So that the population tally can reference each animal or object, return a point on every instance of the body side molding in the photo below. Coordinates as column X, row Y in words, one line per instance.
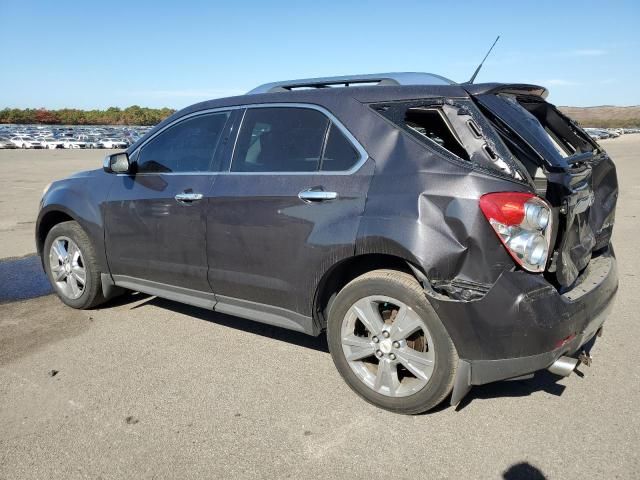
column 279, row 317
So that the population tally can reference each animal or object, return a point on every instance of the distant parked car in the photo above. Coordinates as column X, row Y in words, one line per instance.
column 74, row 143
column 6, row 143
column 52, row 143
column 598, row 133
column 93, row 143
column 26, row 142
column 594, row 134
column 113, row 143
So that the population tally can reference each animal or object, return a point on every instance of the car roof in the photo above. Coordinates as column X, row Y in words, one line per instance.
column 364, row 88
column 321, row 95
column 379, row 79
column 364, row 94
column 385, row 88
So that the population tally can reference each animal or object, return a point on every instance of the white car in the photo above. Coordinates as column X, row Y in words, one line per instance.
column 93, row 143
column 26, row 142
column 113, row 143
column 52, row 143
column 6, row 143
column 74, row 143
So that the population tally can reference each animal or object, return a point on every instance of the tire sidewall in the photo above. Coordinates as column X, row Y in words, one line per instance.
column 439, row 384
column 74, row 232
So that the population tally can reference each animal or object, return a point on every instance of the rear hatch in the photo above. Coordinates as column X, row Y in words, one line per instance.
column 569, row 170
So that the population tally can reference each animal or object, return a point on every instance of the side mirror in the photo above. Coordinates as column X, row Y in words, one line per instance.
column 117, row 163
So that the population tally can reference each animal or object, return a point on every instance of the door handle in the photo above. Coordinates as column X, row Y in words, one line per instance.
column 188, row 198
column 312, row 195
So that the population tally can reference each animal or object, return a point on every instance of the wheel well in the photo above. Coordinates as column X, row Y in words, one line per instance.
column 50, row 220
column 339, row 275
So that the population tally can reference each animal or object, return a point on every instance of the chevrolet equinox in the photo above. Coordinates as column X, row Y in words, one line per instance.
column 443, row 235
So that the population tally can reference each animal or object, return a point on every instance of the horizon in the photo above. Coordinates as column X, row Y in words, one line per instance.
column 162, row 55
column 124, row 107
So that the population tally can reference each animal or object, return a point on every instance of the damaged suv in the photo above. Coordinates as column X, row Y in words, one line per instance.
column 443, row 235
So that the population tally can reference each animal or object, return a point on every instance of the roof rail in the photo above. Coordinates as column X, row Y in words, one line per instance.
column 381, row 79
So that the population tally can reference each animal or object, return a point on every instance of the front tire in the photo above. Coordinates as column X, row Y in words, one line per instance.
column 71, row 265
column 389, row 345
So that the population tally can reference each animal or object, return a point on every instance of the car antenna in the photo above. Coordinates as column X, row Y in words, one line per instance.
column 475, row 74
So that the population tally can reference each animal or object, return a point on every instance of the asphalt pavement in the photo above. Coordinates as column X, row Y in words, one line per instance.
column 148, row 388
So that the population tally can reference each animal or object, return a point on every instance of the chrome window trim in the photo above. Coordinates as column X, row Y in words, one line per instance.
column 356, row 166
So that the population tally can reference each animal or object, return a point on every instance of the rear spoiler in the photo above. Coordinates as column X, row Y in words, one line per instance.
column 509, row 88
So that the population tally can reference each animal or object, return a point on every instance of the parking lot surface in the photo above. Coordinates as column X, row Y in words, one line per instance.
column 148, row 388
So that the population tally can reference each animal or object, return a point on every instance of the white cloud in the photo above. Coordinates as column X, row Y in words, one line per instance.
column 588, row 52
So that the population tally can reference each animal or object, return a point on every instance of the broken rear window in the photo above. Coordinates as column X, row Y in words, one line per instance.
column 565, row 137
column 455, row 129
column 535, row 131
column 431, row 123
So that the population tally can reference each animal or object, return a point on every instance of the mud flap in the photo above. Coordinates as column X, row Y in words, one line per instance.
column 462, row 382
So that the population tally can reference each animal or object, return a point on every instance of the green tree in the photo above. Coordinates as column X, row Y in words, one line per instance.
column 133, row 115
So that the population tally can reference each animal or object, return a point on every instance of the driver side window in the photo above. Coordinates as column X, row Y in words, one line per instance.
column 187, row 146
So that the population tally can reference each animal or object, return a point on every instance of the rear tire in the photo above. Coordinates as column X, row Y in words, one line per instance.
column 405, row 361
column 71, row 265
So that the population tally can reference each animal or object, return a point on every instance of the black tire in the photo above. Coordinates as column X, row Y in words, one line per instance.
column 92, row 294
column 405, row 288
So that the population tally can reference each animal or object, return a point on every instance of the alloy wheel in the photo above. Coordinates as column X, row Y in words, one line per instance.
column 67, row 267
column 388, row 346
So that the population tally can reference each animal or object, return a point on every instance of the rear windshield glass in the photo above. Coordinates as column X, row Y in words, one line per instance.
column 561, row 132
column 535, row 131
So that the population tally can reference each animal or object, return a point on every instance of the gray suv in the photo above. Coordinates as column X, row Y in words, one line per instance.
column 443, row 235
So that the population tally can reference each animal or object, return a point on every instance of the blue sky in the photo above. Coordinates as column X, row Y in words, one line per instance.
column 117, row 53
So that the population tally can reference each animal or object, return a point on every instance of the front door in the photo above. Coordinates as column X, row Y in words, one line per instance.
column 155, row 218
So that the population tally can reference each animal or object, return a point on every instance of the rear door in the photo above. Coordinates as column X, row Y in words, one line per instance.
column 155, row 218
column 287, row 208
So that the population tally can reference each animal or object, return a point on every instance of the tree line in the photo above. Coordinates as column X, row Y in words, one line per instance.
column 133, row 115
column 136, row 115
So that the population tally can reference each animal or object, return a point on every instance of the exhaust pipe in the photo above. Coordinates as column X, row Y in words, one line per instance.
column 563, row 366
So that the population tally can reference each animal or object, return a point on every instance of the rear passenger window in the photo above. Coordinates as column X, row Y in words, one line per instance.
column 277, row 139
column 339, row 154
column 187, row 146
column 428, row 123
column 433, row 124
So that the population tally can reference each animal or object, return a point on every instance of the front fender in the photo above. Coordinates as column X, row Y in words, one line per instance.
column 80, row 198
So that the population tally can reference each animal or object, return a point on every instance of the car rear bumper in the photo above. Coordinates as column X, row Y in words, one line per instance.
column 524, row 324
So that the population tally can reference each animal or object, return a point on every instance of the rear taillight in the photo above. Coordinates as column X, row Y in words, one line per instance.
column 522, row 222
